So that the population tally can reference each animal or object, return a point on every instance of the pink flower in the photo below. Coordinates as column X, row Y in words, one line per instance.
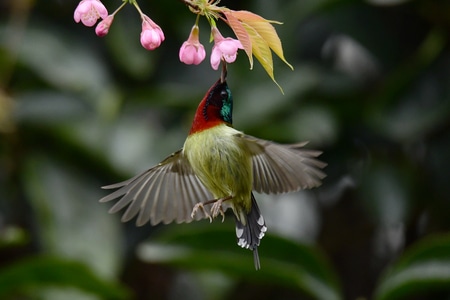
column 103, row 27
column 192, row 52
column 224, row 48
column 151, row 36
column 89, row 11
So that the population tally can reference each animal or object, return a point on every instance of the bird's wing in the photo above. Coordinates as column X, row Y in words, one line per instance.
column 283, row 168
column 165, row 193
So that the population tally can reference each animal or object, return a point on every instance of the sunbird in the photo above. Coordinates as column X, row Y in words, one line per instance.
column 218, row 167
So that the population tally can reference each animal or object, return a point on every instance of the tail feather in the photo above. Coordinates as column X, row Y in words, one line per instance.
column 256, row 258
column 251, row 230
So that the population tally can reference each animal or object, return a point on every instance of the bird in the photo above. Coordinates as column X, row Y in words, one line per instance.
column 218, row 167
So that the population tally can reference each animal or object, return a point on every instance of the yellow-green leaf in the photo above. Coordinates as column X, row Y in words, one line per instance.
column 241, row 34
column 249, row 16
column 265, row 29
column 261, row 51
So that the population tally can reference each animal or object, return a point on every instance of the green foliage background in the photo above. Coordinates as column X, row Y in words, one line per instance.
column 371, row 88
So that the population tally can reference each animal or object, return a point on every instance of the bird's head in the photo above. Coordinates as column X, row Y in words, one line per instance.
column 214, row 109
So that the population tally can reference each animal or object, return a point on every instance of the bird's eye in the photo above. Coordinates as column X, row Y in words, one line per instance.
column 223, row 94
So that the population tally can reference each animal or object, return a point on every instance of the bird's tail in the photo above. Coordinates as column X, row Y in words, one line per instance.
column 250, row 229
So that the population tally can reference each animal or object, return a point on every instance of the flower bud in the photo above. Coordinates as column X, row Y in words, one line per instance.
column 102, row 28
column 192, row 52
column 152, row 35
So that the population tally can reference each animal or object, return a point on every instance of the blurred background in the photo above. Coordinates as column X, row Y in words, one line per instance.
column 370, row 87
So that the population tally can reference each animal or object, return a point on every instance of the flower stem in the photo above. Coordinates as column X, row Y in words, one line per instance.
column 134, row 2
column 197, row 19
column 120, row 7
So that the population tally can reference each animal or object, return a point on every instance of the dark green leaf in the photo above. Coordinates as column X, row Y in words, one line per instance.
column 213, row 247
column 426, row 266
column 33, row 273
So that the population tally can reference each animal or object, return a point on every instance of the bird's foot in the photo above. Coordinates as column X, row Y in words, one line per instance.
column 217, row 209
column 201, row 206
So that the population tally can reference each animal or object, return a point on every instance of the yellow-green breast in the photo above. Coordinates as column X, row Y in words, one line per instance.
column 223, row 163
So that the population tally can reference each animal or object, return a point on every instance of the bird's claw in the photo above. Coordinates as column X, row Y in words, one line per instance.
column 202, row 207
column 217, row 209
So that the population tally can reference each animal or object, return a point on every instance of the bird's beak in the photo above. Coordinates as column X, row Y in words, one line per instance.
column 223, row 75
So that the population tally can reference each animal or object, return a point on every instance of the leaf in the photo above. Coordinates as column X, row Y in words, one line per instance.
column 424, row 267
column 241, row 34
column 265, row 29
column 212, row 247
column 262, row 52
column 257, row 33
column 25, row 276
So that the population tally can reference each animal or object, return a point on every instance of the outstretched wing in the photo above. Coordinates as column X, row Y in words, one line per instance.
column 165, row 193
column 281, row 168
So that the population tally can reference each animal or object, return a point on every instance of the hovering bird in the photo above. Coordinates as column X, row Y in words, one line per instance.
column 217, row 168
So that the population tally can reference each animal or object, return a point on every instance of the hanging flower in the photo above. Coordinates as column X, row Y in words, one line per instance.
column 223, row 49
column 152, row 35
column 89, row 11
column 192, row 52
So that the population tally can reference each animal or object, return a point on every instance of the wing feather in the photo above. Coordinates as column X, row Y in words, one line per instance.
column 182, row 206
column 145, row 211
column 129, row 193
column 135, row 194
column 186, row 204
column 164, row 193
column 196, row 190
column 281, row 168
column 157, row 212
